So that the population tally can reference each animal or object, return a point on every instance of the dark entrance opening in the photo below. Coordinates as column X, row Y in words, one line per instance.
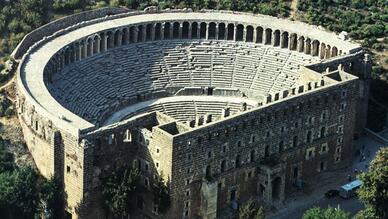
column 210, row 91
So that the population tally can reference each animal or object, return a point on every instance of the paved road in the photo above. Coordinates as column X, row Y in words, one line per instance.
column 350, row 205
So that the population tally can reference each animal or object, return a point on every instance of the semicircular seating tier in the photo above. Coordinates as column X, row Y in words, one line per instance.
column 92, row 86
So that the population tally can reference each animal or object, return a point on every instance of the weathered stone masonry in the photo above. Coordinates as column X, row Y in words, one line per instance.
column 247, row 106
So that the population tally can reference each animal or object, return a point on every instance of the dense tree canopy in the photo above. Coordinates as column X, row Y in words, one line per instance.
column 327, row 213
column 374, row 191
column 119, row 189
column 250, row 211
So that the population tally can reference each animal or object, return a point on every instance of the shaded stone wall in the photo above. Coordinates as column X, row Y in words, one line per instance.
column 252, row 138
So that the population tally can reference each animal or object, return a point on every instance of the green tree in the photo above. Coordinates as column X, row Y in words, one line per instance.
column 328, row 213
column 161, row 195
column 374, row 191
column 51, row 197
column 19, row 193
column 6, row 159
column 250, row 211
column 119, row 189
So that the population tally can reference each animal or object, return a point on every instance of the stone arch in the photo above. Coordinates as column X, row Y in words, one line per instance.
column 89, row 45
column 315, row 48
column 334, row 51
column 132, row 34
column 293, row 41
column 284, row 40
column 259, row 35
column 268, row 36
column 158, row 31
column 249, row 34
column 194, row 30
column 307, row 48
column 102, row 42
column 125, row 36
column 221, row 31
column 301, row 44
column 140, row 33
column 110, row 39
column 240, row 32
column 117, row 38
column 202, row 31
column 230, row 30
column 212, row 30
column 149, row 28
column 276, row 188
column 185, row 30
column 276, row 38
column 322, row 51
column 175, row 28
column 166, row 32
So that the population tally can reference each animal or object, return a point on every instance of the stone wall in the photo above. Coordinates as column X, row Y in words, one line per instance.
column 254, row 137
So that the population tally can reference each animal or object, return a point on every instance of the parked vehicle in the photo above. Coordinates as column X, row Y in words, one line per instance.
column 332, row 193
column 348, row 190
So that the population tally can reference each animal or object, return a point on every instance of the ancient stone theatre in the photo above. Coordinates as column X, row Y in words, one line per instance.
column 226, row 106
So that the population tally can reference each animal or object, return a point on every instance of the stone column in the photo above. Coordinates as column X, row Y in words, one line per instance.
column 245, row 34
column 91, row 47
column 85, row 49
column 198, row 31
column 126, row 37
column 217, row 31
column 180, row 30
column 234, row 32
column 264, row 36
column 207, row 31
column 119, row 41
column 153, row 31
column 300, row 45
column 144, row 33
column 136, row 34
column 162, row 31
column 105, row 43
column 307, row 47
column 98, row 41
column 75, row 53
column 273, row 36
column 80, row 51
column 172, row 31
column 254, row 35
column 190, row 30
column 282, row 40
